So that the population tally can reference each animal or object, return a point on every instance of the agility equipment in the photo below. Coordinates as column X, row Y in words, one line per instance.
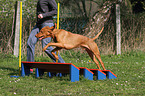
column 65, row 68
column 58, row 8
column 20, row 41
column 52, row 67
column 20, row 38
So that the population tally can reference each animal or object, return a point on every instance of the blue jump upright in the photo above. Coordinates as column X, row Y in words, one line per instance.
column 109, row 74
column 99, row 74
column 25, row 70
column 74, row 73
column 86, row 72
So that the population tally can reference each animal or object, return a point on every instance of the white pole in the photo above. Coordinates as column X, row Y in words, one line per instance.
column 17, row 30
column 118, row 30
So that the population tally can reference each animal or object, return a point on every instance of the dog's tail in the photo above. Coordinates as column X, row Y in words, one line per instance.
column 98, row 34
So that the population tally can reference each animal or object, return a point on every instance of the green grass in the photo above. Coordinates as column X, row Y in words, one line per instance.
column 129, row 68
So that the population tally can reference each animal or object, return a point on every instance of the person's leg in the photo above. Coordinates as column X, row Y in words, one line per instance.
column 49, row 49
column 32, row 40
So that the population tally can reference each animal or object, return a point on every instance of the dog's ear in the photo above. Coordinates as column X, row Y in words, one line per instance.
column 53, row 27
column 46, row 27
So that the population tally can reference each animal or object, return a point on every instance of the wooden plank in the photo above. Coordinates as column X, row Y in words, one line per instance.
column 82, row 70
column 49, row 66
column 94, row 71
column 42, row 67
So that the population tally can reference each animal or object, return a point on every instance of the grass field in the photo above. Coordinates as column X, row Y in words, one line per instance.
column 129, row 68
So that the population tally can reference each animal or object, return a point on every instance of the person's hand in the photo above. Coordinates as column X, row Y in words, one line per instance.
column 40, row 16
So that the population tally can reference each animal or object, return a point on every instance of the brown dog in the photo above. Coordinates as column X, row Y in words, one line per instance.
column 67, row 40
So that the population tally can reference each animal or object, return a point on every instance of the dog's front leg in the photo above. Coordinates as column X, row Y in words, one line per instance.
column 46, row 47
column 53, row 44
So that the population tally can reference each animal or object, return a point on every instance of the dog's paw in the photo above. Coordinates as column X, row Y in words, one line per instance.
column 56, row 57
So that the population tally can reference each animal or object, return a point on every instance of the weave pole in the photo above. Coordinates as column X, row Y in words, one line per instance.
column 58, row 16
column 58, row 8
column 20, row 38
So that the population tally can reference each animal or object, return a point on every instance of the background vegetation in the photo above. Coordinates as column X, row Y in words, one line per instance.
column 75, row 14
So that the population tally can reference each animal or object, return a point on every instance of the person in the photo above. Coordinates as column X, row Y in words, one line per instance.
column 46, row 9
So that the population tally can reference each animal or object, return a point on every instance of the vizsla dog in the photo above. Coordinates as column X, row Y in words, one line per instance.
column 67, row 40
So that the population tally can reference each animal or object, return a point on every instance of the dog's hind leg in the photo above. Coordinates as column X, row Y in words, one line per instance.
column 54, row 50
column 91, row 54
column 95, row 50
column 99, row 58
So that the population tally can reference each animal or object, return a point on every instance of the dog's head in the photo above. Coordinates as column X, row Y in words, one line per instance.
column 45, row 32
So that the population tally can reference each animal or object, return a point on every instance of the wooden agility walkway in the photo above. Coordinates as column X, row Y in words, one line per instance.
column 65, row 68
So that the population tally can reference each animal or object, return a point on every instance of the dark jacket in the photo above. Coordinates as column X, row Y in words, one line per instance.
column 48, row 8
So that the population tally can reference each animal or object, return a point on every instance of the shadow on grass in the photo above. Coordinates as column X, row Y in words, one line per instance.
column 10, row 71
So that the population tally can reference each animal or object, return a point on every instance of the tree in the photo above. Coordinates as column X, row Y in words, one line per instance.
column 138, row 6
column 85, row 8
